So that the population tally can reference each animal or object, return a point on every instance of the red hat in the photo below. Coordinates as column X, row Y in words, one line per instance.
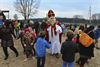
column 27, row 30
column 50, row 13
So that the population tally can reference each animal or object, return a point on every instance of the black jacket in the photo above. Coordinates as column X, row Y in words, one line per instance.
column 68, row 50
column 6, row 34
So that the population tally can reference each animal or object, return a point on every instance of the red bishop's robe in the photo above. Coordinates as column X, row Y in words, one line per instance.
column 54, row 36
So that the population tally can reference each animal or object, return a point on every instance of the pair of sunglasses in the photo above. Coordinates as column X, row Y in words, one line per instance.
column 51, row 13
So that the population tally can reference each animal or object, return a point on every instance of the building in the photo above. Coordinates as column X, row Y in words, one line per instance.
column 96, row 16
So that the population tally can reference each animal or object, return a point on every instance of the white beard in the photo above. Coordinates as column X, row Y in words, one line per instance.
column 52, row 23
column 52, row 20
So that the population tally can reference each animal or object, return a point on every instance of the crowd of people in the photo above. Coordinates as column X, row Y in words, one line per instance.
column 36, row 38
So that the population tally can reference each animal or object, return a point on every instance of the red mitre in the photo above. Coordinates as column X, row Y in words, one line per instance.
column 51, row 13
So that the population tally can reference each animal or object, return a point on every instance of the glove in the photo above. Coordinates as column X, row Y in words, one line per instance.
column 49, row 42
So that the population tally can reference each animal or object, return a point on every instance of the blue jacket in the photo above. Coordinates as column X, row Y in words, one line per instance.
column 1, row 23
column 41, row 45
column 97, row 33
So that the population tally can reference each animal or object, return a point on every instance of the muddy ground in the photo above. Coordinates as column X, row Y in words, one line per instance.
column 51, row 61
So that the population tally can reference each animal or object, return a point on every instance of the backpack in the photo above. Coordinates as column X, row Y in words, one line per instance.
column 85, row 39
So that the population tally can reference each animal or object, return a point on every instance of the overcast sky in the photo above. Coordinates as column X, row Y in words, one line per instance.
column 62, row 8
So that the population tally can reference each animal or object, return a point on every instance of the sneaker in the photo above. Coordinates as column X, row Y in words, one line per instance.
column 33, row 58
column 25, row 59
column 97, row 48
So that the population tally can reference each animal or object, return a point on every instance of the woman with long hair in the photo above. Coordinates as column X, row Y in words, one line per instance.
column 7, row 40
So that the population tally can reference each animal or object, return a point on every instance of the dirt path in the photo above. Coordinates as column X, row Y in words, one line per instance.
column 50, row 60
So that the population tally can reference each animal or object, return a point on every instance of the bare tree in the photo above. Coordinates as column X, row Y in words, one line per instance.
column 26, row 7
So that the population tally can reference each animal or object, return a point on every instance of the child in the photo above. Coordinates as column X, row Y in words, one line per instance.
column 97, row 36
column 29, row 37
column 68, row 50
column 41, row 45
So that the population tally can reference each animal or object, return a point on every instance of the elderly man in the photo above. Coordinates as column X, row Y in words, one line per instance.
column 54, row 31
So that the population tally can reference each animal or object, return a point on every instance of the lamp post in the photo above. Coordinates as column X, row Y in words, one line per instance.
column 90, row 11
column 90, row 14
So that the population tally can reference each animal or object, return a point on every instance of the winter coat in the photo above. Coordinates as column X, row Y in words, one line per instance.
column 41, row 45
column 68, row 50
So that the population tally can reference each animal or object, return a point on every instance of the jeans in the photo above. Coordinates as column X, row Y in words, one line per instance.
column 40, row 61
column 67, row 63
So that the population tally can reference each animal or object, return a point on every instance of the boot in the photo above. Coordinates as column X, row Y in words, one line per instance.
column 17, row 54
column 6, row 58
column 57, row 55
column 78, row 62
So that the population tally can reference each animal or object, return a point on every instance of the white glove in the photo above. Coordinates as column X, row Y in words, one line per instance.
column 58, row 29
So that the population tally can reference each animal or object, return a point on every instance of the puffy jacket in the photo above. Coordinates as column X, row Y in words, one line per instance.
column 68, row 50
column 97, row 33
column 41, row 45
